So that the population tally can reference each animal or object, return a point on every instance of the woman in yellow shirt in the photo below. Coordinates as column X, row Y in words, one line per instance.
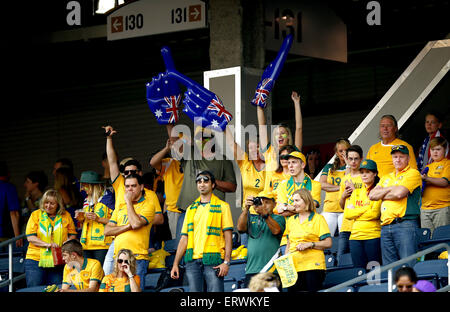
column 123, row 278
column 274, row 178
column 366, row 229
column 307, row 237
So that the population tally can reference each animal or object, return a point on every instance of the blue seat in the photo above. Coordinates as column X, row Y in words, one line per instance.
column 334, row 246
column 335, row 277
column 176, row 289
column 151, row 280
column 18, row 265
column 423, row 234
column 230, row 285
column 381, row 287
column 236, row 239
column 330, row 261
column 440, row 235
column 236, row 272
column 171, row 245
column 244, row 239
column 345, row 260
column 435, row 270
column 344, row 289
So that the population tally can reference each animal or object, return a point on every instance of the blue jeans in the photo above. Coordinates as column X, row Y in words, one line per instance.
column 398, row 241
column 108, row 264
column 365, row 251
column 141, row 271
column 343, row 244
column 197, row 274
column 36, row 276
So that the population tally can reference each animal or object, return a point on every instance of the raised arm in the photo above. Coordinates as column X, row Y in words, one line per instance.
column 263, row 136
column 156, row 161
column 111, row 153
column 298, row 121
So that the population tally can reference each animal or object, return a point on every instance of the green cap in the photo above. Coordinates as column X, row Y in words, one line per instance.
column 90, row 177
column 368, row 164
column 400, row 148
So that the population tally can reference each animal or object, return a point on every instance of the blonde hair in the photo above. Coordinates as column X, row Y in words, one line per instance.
column 132, row 261
column 263, row 280
column 307, row 198
column 337, row 161
column 57, row 196
column 94, row 191
column 288, row 130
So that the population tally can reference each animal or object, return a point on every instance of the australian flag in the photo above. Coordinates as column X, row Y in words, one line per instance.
column 262, row 92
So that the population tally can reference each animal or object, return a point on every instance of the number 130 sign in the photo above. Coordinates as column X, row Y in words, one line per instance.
column 150, row 17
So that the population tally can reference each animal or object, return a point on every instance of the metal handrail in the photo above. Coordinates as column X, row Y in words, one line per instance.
column 10, row 281
column 389, row 268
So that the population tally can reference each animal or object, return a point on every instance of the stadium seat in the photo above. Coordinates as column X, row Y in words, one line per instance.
column 382, row 287
column 236, row 272
column 151, row 280
column 345, row 260
column 436, row 270
column 236, row 239
column 440, row 235
column 334, row 246
column 244, row 239
column 176, row 289
column 423, row 234
column 171, row 246
column 330, row 261
column 230, row 285
column 18, row 265
column 335, row 277
column 345, row 289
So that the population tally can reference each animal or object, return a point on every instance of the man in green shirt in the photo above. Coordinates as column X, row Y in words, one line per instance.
column 265, row 231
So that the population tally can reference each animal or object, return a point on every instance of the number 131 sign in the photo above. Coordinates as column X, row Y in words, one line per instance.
column 150, row 17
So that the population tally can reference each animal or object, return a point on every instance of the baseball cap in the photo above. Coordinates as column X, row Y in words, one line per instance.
column 295, row 154
column 400, row 148
column 424, row 286
column 267, row 194
column 368, row 164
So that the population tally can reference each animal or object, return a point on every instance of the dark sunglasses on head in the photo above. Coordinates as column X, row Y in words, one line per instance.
column 128, row 172
column 202, row 178
column 396, row 147
column 121, row 260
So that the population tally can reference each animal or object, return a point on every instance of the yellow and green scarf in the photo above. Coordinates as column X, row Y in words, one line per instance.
column 49, row 233
column 96, row 229
column 212, row 248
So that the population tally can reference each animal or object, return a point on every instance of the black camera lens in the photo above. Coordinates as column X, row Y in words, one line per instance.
column 257, row 201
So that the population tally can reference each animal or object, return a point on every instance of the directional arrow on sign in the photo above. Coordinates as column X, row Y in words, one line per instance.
column 195, row 13
column 117, row 24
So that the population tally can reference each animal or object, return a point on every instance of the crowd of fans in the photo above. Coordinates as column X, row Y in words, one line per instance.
column 96, row 232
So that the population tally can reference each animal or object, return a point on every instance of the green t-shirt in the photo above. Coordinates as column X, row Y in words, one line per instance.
column 262, row 244
column 222, row 169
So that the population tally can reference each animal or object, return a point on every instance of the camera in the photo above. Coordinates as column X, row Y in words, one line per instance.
column 257, row 201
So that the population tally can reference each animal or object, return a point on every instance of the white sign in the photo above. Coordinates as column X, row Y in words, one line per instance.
column 150, row 17
column 317, row 30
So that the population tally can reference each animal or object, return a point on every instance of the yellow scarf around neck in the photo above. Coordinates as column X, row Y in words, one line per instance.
column 49, row 234
column 212, row 251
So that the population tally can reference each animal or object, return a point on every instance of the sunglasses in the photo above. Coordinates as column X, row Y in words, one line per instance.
column 120, row 261
column 202, row 178
column 128, row 172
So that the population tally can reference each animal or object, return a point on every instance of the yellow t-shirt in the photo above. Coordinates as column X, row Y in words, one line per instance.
column 358, row 183
column 201, row 224
column 34, row 252
column 435, row 197
column 110, row 283
column 119, row 192
column 271, row 159
column 252, row 180
column 365, row 214
column 331, row 202
column 135, row 240
column 313, row 229
column 173, row 180
column 287, row 187
column 273, row 179
column 90, row 271
column 408, row 207
column 381, row 154
column 95, row 238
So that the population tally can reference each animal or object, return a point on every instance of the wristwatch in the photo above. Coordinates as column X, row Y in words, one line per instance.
column 226, row 262
column 313, row 245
